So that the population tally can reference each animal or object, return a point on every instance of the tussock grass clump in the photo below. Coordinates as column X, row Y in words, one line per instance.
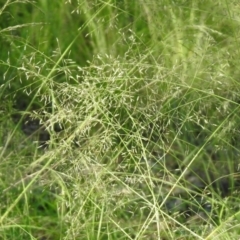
column 134, row 116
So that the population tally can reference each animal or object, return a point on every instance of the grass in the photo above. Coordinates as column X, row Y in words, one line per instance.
column 141, row 104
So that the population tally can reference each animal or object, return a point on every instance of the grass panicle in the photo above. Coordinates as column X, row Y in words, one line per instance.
column 119, row 120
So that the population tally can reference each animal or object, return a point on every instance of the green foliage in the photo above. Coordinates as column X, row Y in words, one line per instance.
column 141, row 103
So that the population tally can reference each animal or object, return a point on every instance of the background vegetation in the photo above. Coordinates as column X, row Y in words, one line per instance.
column 119, row 119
